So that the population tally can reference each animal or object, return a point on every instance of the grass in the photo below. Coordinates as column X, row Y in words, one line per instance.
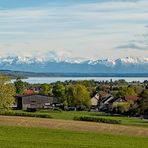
column 16, row 137
column 69, row 115
column 24, row 114
column 65, row 115
column 132, row 121
column 124, row 120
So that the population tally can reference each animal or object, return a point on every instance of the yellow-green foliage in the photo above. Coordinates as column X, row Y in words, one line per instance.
column 78, row 95
column 122, row 106
column 7, row 91
column 126, row 91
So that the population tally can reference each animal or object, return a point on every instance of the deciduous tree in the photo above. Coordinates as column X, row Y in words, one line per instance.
column 7, row 92
column 126, row 91
column 45, row 89
column 59, row 92
column 20, row 86
column 144, row 102
column 78, row 95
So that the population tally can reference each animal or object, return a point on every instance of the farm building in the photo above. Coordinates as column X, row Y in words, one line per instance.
column 106, row 102
column 95, row 99
column 34, row 101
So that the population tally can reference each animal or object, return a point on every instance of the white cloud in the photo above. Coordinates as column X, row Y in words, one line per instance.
column 87, row 30
column 58, row 54
column 133, row 46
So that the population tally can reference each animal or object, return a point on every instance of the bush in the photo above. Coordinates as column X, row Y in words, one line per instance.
column 97, row 119
column 24, row 114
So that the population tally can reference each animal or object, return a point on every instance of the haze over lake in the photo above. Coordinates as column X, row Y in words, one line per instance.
column 35, row 80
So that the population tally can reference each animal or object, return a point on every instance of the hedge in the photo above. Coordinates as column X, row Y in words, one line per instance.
column 97, row 119
column 24, row 114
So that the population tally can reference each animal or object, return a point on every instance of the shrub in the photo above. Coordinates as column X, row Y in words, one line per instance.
column 97, row 119
column 24, row 114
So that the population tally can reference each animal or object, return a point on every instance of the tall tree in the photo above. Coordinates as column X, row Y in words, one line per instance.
column 20, row 86
column 144, row 102
column 59, row 92
column 81, row 95
column 45, row 89
column 70, row 91
column 78, row 95
column 7, row 91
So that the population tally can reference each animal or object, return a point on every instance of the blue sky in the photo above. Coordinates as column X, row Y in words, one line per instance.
column 88, row 29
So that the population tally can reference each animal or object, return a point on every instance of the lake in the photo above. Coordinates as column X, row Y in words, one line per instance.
column 35, row 80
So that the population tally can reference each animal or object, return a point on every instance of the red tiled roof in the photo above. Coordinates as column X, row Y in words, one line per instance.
column 29, row 92
column 131, row 98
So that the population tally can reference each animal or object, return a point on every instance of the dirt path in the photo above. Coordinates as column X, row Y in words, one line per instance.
column 72, row 125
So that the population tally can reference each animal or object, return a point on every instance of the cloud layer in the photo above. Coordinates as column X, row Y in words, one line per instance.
column 90, row 29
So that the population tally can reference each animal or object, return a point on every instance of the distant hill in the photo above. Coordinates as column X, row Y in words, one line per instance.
column 24, row 75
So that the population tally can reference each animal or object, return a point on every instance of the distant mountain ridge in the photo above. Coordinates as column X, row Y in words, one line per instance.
column 39, row 65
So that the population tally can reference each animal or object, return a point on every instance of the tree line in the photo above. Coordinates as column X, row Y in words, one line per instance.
column 79, row 93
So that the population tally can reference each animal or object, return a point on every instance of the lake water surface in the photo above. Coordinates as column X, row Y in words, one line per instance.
column 35, row 80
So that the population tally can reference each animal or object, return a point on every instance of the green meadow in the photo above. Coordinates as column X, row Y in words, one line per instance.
column 39, row 137
column 69, row 115
column 16, row 137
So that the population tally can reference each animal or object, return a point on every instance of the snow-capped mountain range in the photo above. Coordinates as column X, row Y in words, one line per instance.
column 121, row 65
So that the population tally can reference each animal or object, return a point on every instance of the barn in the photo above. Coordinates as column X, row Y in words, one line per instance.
column 34, row 101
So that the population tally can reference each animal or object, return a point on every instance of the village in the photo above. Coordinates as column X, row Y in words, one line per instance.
column 119, row 97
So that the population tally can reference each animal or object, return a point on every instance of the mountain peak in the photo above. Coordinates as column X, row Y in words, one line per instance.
column 34, row 64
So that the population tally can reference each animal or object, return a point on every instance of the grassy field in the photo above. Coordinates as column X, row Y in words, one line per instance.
column 16, row 137
column 71, row 114
column 73, row 125
column 30, row 132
